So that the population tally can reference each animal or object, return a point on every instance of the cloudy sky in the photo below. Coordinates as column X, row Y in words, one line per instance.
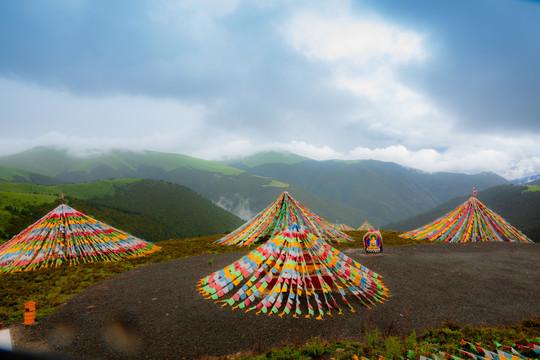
column 435, row 85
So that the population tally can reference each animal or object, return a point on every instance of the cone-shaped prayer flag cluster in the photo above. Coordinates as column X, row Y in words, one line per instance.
column 278, row 216
column 366, row 226
column 471, row 221
column 294, row 272
column 342, row 227
column 67, row 235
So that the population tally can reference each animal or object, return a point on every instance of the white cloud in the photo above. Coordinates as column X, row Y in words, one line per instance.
column 474, row 155
column 29, row 112
column 362, row 41
column 365, row 55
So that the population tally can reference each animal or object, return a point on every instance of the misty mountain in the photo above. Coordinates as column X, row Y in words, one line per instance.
column 526, row 180
column 269, row 157
column 346, row 191
column 236, row 191
column 517, row 204
column 381, row 190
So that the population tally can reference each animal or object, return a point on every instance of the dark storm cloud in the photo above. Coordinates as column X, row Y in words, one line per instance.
column 484, row 61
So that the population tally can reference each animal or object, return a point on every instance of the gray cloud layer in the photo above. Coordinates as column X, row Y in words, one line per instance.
column 422, row 83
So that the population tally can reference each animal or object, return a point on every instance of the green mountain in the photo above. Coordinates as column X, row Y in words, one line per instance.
column 149, row 209
column 235, row 190
column 115, row 164
column 348, row 191
column 13, row 174
column 382, row 191
column 270, row 157
column 517, row 204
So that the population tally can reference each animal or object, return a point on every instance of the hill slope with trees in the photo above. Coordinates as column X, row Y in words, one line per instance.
column 12, row 174
column 376, row 191
column 149, row 209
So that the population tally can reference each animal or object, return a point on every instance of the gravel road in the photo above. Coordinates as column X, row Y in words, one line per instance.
column 156, row 312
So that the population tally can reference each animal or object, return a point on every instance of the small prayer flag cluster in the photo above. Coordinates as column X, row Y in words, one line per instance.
column 366, row 226
column 278, row 216
column 342, row 227
column 469, row 222
column 68, row 235
column 290, row 268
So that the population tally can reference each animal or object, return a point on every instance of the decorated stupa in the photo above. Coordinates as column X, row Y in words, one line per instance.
column 66, row 235
column 279, row 216
column 294, row 272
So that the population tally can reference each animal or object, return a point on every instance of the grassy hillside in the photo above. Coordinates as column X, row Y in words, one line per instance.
column 533, row 188
column 148, row 209
column 42, row 160
column 18, row 205
column 79, row 191
column 269, row 157
column 12, row 174
column 517, row 204
column 122, row 164
column 181, row 212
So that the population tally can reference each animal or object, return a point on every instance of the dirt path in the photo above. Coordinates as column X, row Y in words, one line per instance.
column 155, row 312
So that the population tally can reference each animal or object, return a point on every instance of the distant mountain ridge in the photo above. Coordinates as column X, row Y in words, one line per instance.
column 236, row 191
column 526, row 179
column 60, row 164
column 339, row 191
column 270, row 157
column 381, row 190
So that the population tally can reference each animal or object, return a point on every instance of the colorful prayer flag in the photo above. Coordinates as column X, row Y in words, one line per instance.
column 68, row 235
column 277, row 217
column 290, row 268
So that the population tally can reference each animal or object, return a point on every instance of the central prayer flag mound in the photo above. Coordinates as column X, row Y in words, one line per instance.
column 290, row 268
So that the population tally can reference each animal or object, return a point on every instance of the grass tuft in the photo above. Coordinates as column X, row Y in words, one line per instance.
column 376, row 345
